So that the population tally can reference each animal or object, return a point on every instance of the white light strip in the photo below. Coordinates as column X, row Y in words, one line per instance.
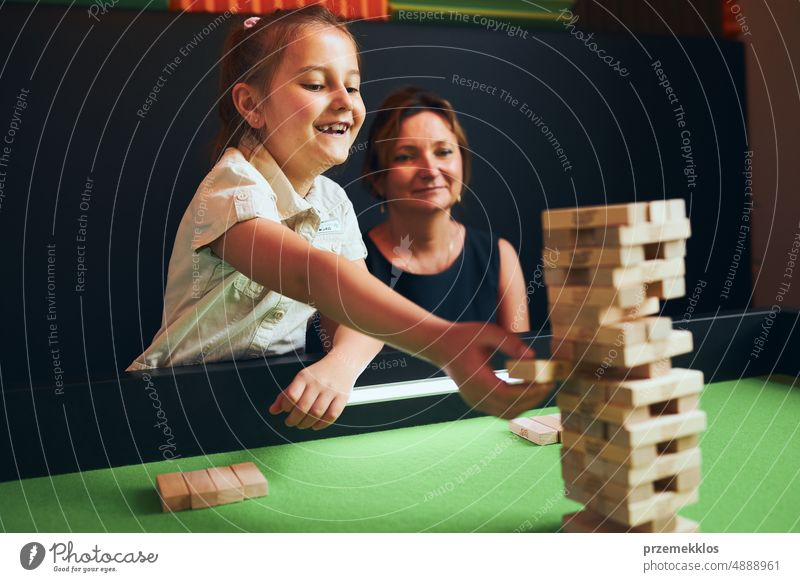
column 412, row 389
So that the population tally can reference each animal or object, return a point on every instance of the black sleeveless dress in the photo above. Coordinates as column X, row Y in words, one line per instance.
column 467, row 291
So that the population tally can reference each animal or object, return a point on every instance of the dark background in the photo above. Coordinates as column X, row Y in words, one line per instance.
column 88, row 79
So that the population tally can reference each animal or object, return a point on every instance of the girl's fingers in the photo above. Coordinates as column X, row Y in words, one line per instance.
column 277, row 406
column 316, row 411
column 334, row 411
column 301, row 408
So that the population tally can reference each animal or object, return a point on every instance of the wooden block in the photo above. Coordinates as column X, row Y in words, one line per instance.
column 593, row 448
column 659, row 506
column 594, row 216
column 253, row 481
column 658, row 429
column 539, row 371
column 587, row 521
column 683, row 482
column 665, row 250
column 628, row 356
column 637, row 331
column 173, row 492
column 201, row 488
column 578, row 483
column 229, row 488
column 625, row 298
column 667, row 210
column 617, row 277
column 551, row 420
column 536, row 432
column 595, row 315
column 678, row 383
column 646, row 371
column 678, row 445
column 668, row 288
column 601, row 256
column 583, row 424
column 663, row 466
column 604, row 411
column 640, row 234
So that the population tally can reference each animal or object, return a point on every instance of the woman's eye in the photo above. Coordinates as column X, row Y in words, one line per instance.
column 352, row 90
column 445, row 152
column 313, row 87
column 402, row 158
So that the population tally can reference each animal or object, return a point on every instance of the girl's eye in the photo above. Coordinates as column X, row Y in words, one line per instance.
column 313, row 87
column 352, row 90
column 445, row 152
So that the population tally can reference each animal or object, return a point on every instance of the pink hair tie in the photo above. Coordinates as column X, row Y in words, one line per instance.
column 251, row 22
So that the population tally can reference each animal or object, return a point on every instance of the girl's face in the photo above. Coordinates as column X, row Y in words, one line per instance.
column 425, row 167
column 313, row 110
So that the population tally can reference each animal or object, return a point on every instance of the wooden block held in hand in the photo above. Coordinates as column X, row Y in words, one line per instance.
column 173, row 491
column 202, row 489
column 254, row 482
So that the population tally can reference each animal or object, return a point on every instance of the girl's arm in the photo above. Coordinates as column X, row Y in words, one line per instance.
column 355, row 298
column 512, row 301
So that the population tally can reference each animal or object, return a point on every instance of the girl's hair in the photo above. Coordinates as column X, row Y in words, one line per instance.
column 253, row 54
column 385, row 129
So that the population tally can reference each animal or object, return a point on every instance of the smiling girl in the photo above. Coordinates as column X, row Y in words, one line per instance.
column 267, row 240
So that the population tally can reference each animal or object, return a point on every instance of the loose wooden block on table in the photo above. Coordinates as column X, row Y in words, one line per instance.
column 594, row 216
column 551, row 420
column 253, row 481
column 202, row 489
column 173, row 491
column 229, row 488
column 628, row 356
column 617, row 277
column 641, row 234
column 637, row 331
column 536, row 432
column 538, row 371
column 590, row 522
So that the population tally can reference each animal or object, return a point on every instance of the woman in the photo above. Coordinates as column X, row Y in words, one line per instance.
column 418, row 164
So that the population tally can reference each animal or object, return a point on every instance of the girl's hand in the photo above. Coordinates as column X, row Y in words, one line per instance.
column 317, row 395
column 465, row 350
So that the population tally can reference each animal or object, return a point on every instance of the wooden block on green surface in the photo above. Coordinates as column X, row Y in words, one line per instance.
column 588, row 315
column 637, row 331
column 601, row 256
column 628, row 356
column 588, row 521
column 173, row 492
column 229, row 488
column 658, row 429
column 252, row 480
column 536, row 432
column 550, row 420
column 617, row 277
column 667, row 288
column 594, row 216
column 672, row 249
column 201, row 488
column 539, row 371
column 625, row 298
column 641, row 234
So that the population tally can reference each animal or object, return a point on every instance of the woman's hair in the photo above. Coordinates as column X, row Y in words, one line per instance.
column 385, row 129
column 252, row 54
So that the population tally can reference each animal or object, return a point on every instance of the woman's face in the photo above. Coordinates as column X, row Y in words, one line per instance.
column 313, row 110
column 425, row 168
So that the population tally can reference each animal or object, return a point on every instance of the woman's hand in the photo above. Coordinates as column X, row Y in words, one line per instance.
column 465, row 350
column 317, row 395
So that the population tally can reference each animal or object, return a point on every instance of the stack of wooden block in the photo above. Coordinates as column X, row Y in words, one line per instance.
column 630, row 421
column 210, row 487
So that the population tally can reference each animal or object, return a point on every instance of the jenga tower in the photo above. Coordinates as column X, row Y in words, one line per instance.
column 630, row 421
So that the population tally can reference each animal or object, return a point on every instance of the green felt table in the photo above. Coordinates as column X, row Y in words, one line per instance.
column 467, row 475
